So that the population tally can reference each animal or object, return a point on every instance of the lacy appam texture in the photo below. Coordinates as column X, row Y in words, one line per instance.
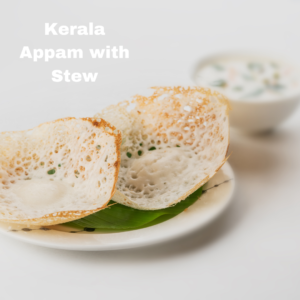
column 71, row 164
column 172, row 143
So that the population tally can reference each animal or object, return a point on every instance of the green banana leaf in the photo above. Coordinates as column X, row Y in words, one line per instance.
column 119, row 217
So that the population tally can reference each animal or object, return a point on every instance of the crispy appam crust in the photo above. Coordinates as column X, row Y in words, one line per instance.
column 56, row 218
column 188, row 91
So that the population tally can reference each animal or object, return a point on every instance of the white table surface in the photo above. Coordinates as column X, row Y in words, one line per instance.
column 253, row 250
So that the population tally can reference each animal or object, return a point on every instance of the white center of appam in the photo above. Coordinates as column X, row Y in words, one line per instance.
column 157, row 167
column 40, row 192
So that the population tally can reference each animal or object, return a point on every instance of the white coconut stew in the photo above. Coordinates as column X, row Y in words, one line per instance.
column 250, row 79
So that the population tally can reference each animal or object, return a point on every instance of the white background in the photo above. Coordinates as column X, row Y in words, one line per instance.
column 253, row 250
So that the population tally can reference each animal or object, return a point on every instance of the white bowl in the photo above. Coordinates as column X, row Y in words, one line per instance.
column 255, row 115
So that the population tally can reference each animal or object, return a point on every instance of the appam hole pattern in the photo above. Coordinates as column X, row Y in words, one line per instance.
column 186, row 130
column 81, row 153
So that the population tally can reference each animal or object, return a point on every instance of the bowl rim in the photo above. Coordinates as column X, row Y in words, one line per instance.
column 244, row 54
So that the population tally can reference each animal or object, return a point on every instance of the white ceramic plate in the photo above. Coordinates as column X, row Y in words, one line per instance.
column 217, row 195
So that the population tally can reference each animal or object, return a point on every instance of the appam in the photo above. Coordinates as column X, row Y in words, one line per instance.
column 59, row 171
column 173, row 142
